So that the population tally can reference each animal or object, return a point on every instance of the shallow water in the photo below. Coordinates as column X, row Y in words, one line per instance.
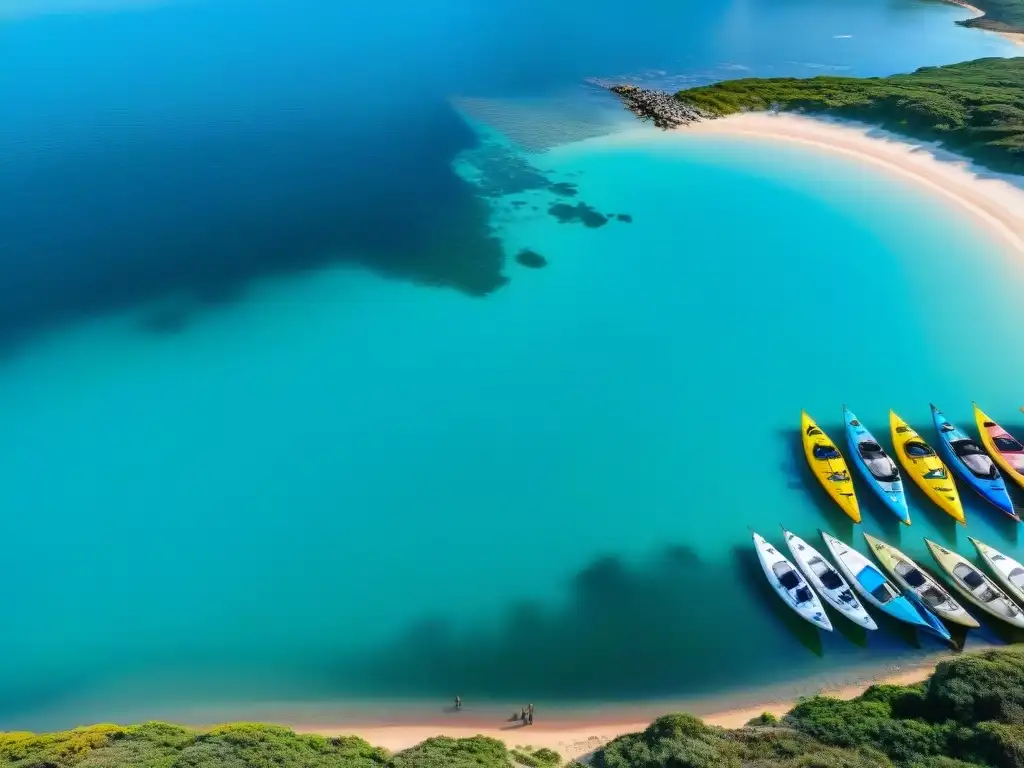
column 284, row 419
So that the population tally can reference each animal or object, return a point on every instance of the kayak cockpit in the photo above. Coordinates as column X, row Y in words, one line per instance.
column 916, row 449
column 786, row 575
column 825, row 452
column 979, row 587
column 975, row 459
column 1016, row 577
column 1007, row 444
column 874, row 583
column 910, row 574
column 879, row 464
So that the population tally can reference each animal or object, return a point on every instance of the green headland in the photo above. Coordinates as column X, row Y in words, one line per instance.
column 1000, row 16
column 970, row 712
column 975, row 108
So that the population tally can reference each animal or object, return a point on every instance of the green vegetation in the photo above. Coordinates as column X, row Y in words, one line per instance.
column 975, row 108
column 969, row 713
column 536, row 758
column 1000, row 15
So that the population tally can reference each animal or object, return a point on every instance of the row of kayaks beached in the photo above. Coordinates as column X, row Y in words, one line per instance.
column 919, row 599
column 974, row 465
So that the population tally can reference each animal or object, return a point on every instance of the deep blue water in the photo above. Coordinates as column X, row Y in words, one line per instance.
column 284, row 420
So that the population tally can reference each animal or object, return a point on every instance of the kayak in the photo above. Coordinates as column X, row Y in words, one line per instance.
column 912, row 578
column 971, row 463
column 829, row 466
column 877, row 590
column 925, row 468
column 1003, row 447
column 976, row 586
column 1008, row 571
column 790, row 585
column 828, row 582
column 878, row 469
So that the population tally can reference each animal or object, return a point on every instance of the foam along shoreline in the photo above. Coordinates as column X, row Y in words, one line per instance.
column 995, row 201
column 577, row 735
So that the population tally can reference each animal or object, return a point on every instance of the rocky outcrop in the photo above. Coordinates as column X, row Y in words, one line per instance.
column 662, row 108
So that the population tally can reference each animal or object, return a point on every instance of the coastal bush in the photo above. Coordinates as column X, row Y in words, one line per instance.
column 680, row 741
column 29, row 750
column 906, row 701
column 536, row 758
column 975, row 108
column 442, row 752
column 871, row 722
column 977, row 687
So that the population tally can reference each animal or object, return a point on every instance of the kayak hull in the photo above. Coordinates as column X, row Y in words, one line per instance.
column 991, row 488
column 832, row 472
column 1008, row 572
column 866, row 578
column 975, row 586
column 790, row 585
column 925, row 468
column 903, row 571
column 890, row 491
column 811, row 563
column 1010, row 458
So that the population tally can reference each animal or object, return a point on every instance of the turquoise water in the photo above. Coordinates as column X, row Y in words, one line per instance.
column 325, row 478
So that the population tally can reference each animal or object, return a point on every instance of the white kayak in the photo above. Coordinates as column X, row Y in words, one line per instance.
column 827, row 581
column 790, row 585
column 976, row 586
column 1009, row 572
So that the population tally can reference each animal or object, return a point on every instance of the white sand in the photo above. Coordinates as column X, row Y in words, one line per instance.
column 994, row 200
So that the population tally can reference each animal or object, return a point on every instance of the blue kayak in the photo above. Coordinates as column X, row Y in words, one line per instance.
column 934, row 622
column 876, row 466
column 876, row 590
column 969, row 460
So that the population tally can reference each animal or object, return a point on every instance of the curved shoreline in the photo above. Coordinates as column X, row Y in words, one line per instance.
column 996, row 201
column 576, row 734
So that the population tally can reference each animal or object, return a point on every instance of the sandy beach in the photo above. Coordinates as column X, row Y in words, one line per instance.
column 576, row 735
column 995, row 201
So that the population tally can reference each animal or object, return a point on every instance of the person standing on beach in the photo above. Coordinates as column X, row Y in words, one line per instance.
column 458, row 703
column 529, row 715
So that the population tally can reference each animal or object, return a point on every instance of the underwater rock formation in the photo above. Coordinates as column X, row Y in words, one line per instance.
column 581, row 212
column 530, row 258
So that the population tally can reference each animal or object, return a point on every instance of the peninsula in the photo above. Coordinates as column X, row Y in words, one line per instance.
column 970, row 712
column 975, row 108
column 1006, row 16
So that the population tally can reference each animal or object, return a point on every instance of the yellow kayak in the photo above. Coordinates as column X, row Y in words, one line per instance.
column 829, row 466
column 926, row 468
column 1004, row 448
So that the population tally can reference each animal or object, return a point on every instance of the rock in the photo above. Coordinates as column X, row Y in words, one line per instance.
column 662, row 108
column 564, row 188
column 531, row 259
column 581, row 212
column 624, row 217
